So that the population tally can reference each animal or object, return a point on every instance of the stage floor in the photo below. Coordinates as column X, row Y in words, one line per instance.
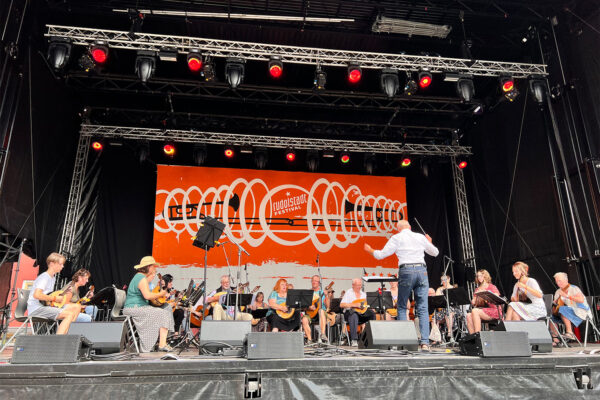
column 324, row 372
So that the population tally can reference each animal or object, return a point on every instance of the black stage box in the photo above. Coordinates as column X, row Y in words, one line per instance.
column 50, row 349
column 496, row 344
column 275, row 345
column 389, row 335
column 106, row 337
column 216, row 335
column 540, row 339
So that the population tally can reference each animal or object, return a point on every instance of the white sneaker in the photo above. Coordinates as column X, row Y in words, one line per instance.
column 354, row 343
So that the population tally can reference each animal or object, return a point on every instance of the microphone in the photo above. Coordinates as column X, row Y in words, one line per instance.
column 318, row 257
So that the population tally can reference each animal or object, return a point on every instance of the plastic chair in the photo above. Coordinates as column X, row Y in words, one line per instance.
column 115, row 315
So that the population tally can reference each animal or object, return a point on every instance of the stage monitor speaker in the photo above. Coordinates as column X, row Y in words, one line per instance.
column 396, row 335
column 50, row 349
column 216, row 335
column 540, row 339
column 496, row 344
column 275, row 345
column 106, row 337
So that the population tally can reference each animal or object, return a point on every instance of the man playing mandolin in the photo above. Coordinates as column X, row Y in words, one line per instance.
column 356, row 310
column 571, row 306
column 218, row 297
column 316, row 312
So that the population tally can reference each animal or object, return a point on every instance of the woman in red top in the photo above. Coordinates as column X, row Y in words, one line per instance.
column 482, row 311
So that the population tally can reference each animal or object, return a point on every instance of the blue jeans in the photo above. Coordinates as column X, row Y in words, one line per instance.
column 414, row 279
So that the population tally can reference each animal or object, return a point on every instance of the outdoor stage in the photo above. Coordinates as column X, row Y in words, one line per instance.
column 325, row 372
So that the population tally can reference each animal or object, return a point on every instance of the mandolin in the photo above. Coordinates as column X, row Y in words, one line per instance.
column 60, row 293
column 522, row 296
column 363, row 308
column 159, row 302
column 86, row 299
column 317, row 304
column 559, row 303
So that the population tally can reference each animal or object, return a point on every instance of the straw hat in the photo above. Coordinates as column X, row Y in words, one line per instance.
column 146, row 261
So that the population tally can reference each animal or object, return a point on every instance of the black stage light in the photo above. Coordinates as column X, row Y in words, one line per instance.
column 275, row 67
column 199, row 154
column 354, row 73
column 320, row 79
column 145, row 64
column 425, row 79
column 290, row 155
column 234, row 72
column 261, row 157
column 539, row 89
column 465, row 89
column 312, row 160
column 143, row 151
column 389, row 82
column 99, row 52
column 411, row 87
column 59, row 51
column 508, row 87
column 370, row 163
column 194, row 61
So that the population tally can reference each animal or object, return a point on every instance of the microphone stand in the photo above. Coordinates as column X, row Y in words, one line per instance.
column 240, row 250
column 449, row 261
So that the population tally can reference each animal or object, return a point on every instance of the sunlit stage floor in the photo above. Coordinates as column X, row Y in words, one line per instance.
column 324, row 372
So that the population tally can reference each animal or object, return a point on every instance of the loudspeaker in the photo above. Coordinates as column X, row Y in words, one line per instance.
column 389, row 335
column 50, row 349
column 496, row 344
column 540, row 339
column 279, row 345
column 216, row 335
column 106, row 337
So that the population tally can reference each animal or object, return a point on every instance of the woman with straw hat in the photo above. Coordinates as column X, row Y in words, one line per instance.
column 152, row 323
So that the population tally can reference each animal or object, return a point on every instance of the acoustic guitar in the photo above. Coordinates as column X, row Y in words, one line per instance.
column 86, row 299
column 559, row 303
column 317, row 304
column 159, row 302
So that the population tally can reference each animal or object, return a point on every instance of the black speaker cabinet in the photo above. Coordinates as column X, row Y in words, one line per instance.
column 389, row 335
column 106, row 337
column 216, row 335
column 540, row 339
column 279, row 345
column 496, row 344
column 50, row 349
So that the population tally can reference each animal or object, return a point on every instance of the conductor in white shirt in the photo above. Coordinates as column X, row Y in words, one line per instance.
column 410, row 248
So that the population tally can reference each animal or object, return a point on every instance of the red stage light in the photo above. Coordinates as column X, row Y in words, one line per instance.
column 169, row 150
column 425, row 79
column 354, row 74
column 229, row 153
column 405, row 162
column 345, row 158
column 99, row 55
column 508, row 85
column 462, row 164
column 275, row 69
column 290, row 155
column 96, row 145
column 194, row 63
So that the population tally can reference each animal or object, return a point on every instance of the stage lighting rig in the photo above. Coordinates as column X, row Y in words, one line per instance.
column 465, row 89
column 199, row 153
column 234, row 72
column 97, row 145
column 312, row 160
column 194, row 61
column 229, row 152
column 508, row 87
column 208, row 70
column 370, row 163
column 406, row 161
column 354, row 73
column 59, row 50
column 143, row 151
column 290, row 155
column 169, row 149
column 425, row 79
column 99, row 52
column 320, row 79
column 275, row 67
column 145, row 65
column 539, row 89
column 462, row 164
column 345, row 157
column 411, row 87
column 261, row 157
column 389, row 82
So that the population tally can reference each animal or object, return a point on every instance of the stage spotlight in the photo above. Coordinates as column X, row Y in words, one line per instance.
column 478, row 109
column 290, row 155
column 199, row 154
column 411, row 87
column 229, row 152
column 389, row 82
column 354, row 73
column 425, row 79
column 275, row 67
column 320, row 79
column 345, row 157
column 194, row 61
column 462, row 164
column 59, row 51
column 208, row 71
column 508, row 87
column 143, row 151
column 145, row 64
column 405, row 162
column 539, row 90
column 99, row 52
column 328, row 153
column 312, row 160
column 234, row 72
column 465, row 89
column 261, row 157
column 370, row 163
column 169, row 150
column 97, row 145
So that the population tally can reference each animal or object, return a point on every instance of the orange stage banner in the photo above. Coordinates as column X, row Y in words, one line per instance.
column 280, row 218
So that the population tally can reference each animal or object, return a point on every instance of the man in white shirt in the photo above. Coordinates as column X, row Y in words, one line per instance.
column 410, row 247
column 355, row 311
column 42, row 287
column 219, row 296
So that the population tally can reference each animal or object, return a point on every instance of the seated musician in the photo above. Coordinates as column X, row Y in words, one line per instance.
column 71, row 292
column 354, row 310
column 392, row 313
column 290, row 321
column 152, row 323
column 317, row 309
column 40, row 291
column 527, row 300
column 258, row 325
column 572, row 307
column 444, row 314
column 218, row 297
column 483, row 311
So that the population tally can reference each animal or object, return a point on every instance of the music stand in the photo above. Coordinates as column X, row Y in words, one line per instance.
column 380, row 302
column 259, row 313
column 299, row 298
column 334, row 306
column 243, row 300
column 494, row 299
column 435, row 302
column 457, row 296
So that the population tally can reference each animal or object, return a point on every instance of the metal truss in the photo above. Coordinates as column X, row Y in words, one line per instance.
column 268, row 94
column 464, row 221
column 190, row 136
column 291, row 54
column 67, row 240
